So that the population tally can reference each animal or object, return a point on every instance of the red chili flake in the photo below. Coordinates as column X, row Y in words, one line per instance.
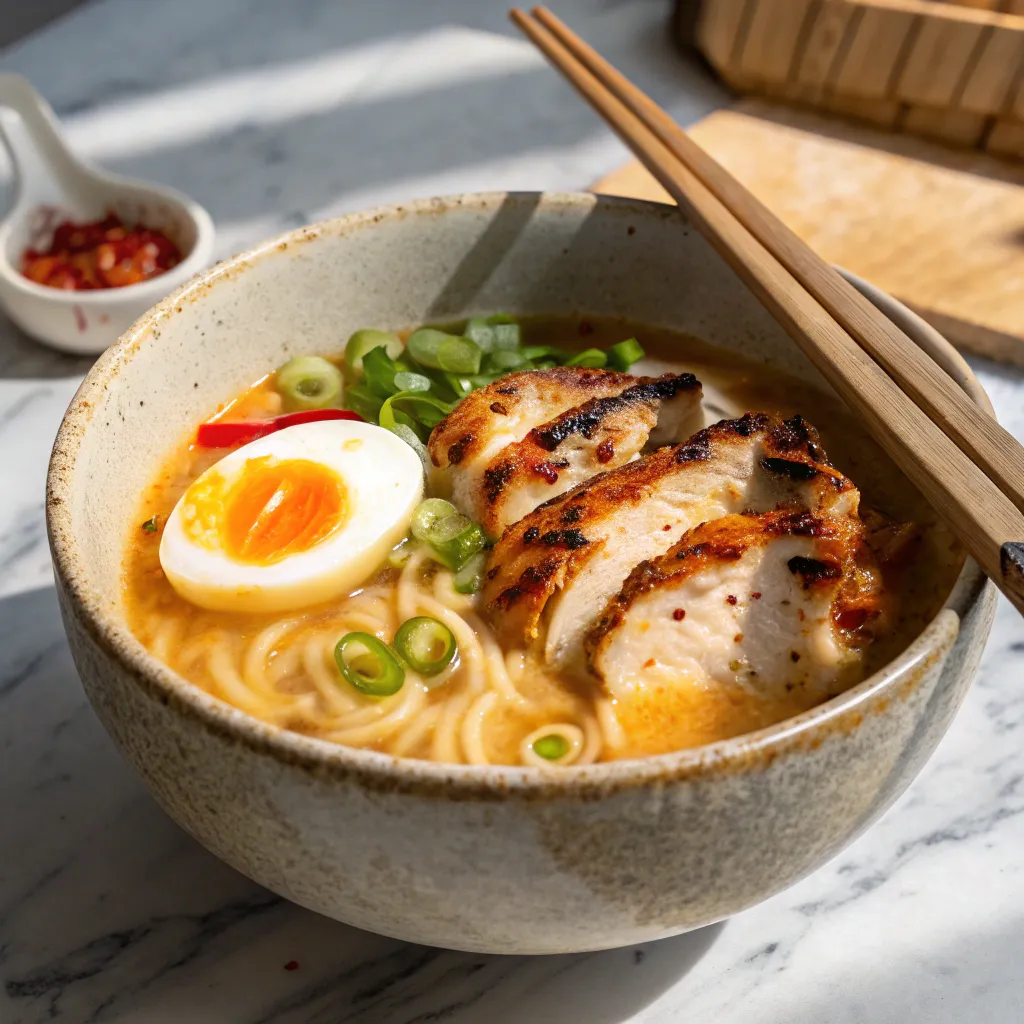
column 679, row 614
column 649, row 663
column 547, row 470
column 586, row 328
column 100, row 254
column 667, row 526
column 756, row 595
column 738, row 638
column 731, row 599
column 292, row 965
column 605, row 451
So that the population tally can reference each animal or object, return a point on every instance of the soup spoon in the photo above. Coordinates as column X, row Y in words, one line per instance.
column 52, row 185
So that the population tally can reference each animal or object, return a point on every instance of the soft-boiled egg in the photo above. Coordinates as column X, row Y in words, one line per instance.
column 292, row 519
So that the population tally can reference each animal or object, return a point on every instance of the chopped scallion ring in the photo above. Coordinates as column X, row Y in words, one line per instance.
column 558, row 744
column 366, row 341
column 368, row 664
column 470, row 577
column 309, row 382
column 428, row 513
column 591, row 359
column 426, row 645
column 623, row 355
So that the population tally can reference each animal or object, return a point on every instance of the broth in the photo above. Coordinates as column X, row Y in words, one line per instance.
column 280, row 668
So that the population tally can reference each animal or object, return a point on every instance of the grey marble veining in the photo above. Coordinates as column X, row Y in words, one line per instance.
column 273, row 114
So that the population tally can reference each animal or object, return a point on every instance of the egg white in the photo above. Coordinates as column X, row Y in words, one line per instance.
column 383, row 478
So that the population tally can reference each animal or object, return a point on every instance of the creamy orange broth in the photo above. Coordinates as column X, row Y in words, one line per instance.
column 453, row 721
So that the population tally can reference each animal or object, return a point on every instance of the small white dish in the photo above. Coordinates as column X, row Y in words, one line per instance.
column 54, row 185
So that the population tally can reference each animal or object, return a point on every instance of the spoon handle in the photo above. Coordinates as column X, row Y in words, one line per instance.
column 37, row 147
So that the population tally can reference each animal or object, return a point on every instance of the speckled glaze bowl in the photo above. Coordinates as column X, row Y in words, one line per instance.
column 497, row 859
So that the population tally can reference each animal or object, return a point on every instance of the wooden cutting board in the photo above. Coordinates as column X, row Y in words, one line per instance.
column 941, row 229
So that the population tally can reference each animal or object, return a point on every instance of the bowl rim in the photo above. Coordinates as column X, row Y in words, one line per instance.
column 384, row 772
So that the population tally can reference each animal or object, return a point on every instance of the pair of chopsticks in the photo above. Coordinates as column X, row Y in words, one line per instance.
column 968, row 467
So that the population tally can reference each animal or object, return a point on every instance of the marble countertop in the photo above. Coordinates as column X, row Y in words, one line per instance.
column 272, row 115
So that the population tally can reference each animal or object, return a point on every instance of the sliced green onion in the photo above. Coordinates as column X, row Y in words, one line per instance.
column 505, row 360
column 368, row 664
column 309, row 382
column 363, row 401
column 533, row 352
column 591, row 359
column 366, row 341
column 423, row 346
column 459, row 355
column 426, row 645
column 405, row 380
column 401, row 554
column 623, row 355
column 380, row 371
column 418, row 406
column 456, row 540
column 460, row 384
column 481, row 333
column 470, row 577
column 428, row 514
column 551, row 747
column 507, row 336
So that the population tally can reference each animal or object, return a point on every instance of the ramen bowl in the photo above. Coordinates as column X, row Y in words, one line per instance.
column 492, row 859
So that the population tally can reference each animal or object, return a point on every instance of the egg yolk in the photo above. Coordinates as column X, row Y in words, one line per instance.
column 273, row 509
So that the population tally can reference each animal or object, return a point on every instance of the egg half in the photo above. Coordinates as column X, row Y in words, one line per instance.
column 292, row 519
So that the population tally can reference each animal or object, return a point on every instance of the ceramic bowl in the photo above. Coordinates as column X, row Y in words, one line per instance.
column 496, row 859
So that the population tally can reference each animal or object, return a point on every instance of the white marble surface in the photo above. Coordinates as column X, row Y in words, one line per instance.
column 273, row 114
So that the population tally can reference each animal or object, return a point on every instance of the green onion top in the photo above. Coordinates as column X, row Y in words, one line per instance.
column 426, row 645
column 551, row 747
column 366, row 341
column 368, row 664
column 623, row 355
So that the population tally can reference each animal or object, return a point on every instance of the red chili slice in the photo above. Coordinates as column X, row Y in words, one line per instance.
column 232, row 433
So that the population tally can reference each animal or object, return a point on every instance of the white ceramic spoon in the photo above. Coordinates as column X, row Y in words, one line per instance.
column 53, row 185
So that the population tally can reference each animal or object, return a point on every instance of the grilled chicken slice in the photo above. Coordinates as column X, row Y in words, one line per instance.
column 600, row 434
column 560, row 564
column 486, row 420
column 772, row 607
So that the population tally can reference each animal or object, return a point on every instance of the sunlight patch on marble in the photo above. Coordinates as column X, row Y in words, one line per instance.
column 384, row 69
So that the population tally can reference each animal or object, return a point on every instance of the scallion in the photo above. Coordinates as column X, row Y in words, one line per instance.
column 552, row 747
column 428, row 514
column 453, row 537
column 366, row 341
column 405, row 380
column 624, row 354
column 591, row 359
column 505, row 360
column 470, row 577
column 368, row 664
column 424, row 344
column 458, row 355
column 426, row 645
column 456, row 540
column 309, row 382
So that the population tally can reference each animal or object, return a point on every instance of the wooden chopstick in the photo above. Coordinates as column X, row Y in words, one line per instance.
column 976, row 433
column 988, row 523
